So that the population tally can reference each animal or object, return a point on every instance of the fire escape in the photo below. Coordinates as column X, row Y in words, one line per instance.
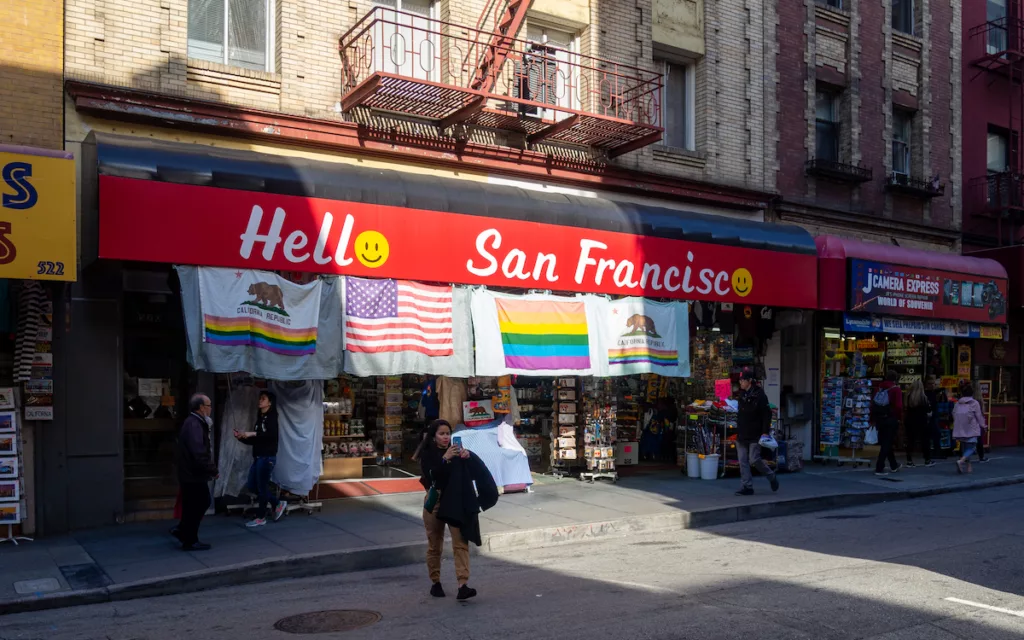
column 998, row 50
column 414, row 66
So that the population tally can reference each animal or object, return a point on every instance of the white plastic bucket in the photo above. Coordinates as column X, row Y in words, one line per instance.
column 692, row 465
column 709, row 467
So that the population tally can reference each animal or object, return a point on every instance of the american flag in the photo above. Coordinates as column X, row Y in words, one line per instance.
column 397, row 315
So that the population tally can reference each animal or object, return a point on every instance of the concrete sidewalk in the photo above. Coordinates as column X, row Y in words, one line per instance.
column 142, row 560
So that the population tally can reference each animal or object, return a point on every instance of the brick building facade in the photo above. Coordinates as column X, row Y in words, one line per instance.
column 869, row 120
column 31, row 80
column 716, row 48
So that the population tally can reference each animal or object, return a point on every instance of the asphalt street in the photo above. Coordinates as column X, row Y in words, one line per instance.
column 929, row 569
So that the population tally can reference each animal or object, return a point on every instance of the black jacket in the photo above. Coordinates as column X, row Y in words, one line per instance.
column 264, row 443
column 755, row 415
column 916, row 418
column 193, row 458
column 460, row 504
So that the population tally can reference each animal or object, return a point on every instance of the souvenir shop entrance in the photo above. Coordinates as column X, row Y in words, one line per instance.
column 402, row 305
column 918, row 315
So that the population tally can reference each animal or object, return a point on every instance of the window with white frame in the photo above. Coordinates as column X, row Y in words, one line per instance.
column 677, row 105
column 902, row 123
column 406, row 39
column 547, row 73
column 997, row 162
column 903, row 16
column 236, row 33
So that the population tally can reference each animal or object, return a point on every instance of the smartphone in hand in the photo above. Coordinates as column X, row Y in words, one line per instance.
column 457, row 442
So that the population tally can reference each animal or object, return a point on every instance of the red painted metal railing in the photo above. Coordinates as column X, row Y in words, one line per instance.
column 997, row 42
column 403, row 63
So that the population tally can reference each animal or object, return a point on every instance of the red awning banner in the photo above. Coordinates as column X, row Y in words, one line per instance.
column 152, row 221
column 867, row 277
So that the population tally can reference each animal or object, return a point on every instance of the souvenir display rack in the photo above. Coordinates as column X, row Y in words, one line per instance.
column 565, row 440
column 599, row 433
column 346, row 442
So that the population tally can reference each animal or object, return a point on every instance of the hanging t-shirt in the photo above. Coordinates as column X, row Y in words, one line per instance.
column 766, row 323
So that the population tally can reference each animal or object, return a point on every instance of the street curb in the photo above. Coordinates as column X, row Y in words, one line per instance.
column 388, row 556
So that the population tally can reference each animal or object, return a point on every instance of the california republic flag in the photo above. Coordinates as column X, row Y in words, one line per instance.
column 245, row 308
column 643, row 336
column 260, row 323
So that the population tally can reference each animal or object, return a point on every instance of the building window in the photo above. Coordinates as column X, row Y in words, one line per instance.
column 903, row 16
column 548, row 72
column 902, row 122
column 677, row 105
column 995, row 13
column 405, row 39
column 232, row 32
column 826, row 126
column 998, row 152
column 838, row 4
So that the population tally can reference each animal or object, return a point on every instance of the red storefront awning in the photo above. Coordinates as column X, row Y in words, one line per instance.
column 835, row 254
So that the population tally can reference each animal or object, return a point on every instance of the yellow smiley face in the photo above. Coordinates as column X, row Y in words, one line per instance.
column 372, row 249
column 742, row 282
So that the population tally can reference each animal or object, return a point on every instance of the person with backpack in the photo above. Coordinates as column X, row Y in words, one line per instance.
column 968, row 425
column 887, row 412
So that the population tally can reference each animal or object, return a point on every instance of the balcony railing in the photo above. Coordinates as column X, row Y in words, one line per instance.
column 996, row 194
column 413, row 65
column 908, row 185
column 838, row 171
column 997, row 42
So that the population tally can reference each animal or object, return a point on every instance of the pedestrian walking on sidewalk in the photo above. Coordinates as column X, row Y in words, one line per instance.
column 968, row 425
column 459, row 486
column 753, row 421
column 917, row 413
column 887, row 413
column 263, row 439
column 194, row 459
column 936, row 396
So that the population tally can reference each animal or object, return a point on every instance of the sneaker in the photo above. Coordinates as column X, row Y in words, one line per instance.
column 437, row 590
column 930, row 463
column 745, row 492
column 985, row 460
column 910, row 463
column 279, row 511
column 897, row 469
column 256, row 522
column 197, row 546
column 465, row 593
column 774, row 482
column 959, row 466
column 176, row 533
column 881, row 474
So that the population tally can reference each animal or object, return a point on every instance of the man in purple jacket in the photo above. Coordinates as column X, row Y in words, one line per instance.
column 195, row 470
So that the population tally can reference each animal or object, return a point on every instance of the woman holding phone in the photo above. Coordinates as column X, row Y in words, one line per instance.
column 438, row 458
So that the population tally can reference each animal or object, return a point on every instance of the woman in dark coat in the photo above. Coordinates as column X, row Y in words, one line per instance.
column 437, row 460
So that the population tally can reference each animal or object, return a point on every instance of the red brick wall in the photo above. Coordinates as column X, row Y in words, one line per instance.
column 872, row 104
column 792, row 99
column 941, row 39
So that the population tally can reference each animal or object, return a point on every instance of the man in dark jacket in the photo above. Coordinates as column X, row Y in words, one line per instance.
column 195, row 469
column 887, row 419
column 753, row 421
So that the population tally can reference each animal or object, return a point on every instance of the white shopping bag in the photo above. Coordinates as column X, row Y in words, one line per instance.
column 871, row 435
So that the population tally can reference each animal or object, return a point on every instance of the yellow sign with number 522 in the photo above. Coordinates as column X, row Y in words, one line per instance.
column 38, row 232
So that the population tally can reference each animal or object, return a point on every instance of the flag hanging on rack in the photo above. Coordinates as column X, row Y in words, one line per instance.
column 399, row 326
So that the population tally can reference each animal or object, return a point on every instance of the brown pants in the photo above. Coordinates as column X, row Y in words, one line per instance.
column 435, row 545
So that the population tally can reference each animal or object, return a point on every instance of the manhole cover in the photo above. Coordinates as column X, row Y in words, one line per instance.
column 327, row 621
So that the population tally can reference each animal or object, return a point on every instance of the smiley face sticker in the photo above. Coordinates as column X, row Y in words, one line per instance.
column 372, row 249
column 742, row 282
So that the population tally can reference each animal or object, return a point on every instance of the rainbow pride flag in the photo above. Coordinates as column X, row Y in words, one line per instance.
column 254, row 332
column 642, row 354
column 543, row 335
